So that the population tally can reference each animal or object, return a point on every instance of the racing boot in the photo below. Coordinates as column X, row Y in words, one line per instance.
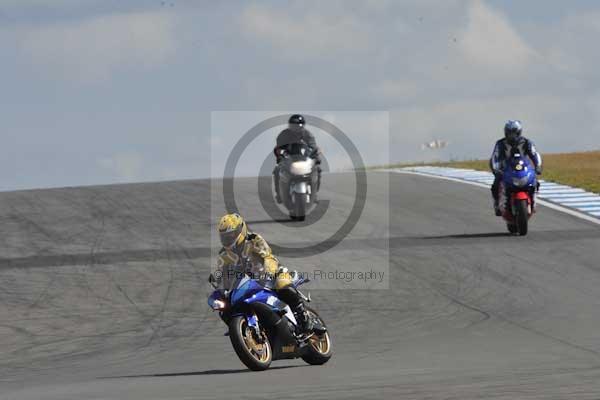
column 496, row 195
column 276, row 184
column 304, row 320
column 316, row 192
column 497, row 208
column 306, row 323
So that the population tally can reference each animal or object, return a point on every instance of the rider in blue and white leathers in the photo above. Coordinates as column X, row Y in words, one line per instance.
column 513, row 142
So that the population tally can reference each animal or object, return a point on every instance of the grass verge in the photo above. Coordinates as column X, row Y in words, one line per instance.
column 580, row 170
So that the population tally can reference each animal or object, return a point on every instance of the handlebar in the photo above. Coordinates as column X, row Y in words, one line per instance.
column 284, row 152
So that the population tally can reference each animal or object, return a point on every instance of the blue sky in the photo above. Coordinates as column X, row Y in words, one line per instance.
column 109, row 91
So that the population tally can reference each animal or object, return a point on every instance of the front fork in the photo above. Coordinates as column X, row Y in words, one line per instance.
column 252, row 321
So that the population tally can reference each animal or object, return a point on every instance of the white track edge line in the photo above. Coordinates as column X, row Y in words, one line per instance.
column 557, row 207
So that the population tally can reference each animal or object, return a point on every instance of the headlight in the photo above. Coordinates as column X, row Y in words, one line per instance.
column 219, row 305
column 519, row 182
column 301, row 167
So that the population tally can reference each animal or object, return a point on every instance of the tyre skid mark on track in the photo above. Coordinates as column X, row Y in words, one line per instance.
column 488, row 315
column 169, row 243
column 190, row 253
column 101, row 258
column 93, row 261
column 551, row 337
column 161, row 313
column 43, row 294
column 485, row 315
column 93, row 251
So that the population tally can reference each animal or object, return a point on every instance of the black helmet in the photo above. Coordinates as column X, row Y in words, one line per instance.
column 297, row 119
column 512, row 130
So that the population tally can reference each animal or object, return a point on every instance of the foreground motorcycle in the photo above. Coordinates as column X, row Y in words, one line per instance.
column 517, row 194
column 262, row 328
column 298, row 180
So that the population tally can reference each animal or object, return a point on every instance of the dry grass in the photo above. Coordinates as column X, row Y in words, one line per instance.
column 575, row 169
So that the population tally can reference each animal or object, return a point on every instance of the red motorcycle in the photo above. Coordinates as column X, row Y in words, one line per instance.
column 517, row 194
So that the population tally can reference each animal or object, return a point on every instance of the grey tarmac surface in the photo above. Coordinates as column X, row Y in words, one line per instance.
column 103, row 296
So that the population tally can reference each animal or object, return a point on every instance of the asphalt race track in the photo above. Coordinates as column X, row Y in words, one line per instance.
column 103, row 296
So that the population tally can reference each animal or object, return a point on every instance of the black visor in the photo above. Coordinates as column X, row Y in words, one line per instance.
column 228, row 239
column 296, row 119
column 511, row 134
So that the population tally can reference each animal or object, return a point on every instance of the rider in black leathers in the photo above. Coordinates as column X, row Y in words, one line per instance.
column 511, row 143
column 295, row 133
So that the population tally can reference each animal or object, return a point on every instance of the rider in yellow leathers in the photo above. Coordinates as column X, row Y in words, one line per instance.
column 252, row 252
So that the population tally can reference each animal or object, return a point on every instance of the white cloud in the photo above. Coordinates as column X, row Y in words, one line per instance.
column 309, row 32
column 265, row 95
column 572, row 44
column 395, row 89
column 126, row 167
column 91, row 49
column 472, row 125
column 491, row 42
column 41, row 3
column 539, row 66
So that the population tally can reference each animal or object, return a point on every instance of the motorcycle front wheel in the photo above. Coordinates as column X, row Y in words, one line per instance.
column 300, row 200
column 522, row 216
column 255, row 352
column 512, row 228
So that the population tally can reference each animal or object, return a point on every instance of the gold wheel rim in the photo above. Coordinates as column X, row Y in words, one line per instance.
column 322, row 343
column 259, row 351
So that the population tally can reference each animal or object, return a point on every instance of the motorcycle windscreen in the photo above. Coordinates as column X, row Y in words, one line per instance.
column 299, row 149
column 245, row 287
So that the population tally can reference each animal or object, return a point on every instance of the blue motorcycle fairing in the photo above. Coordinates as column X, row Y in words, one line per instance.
column 251, row 291
column 252, row 321
column 519, row 173
column 263, row 296
column 266, row 297
column 216, row 295
column 245, row 288
column 263, row 310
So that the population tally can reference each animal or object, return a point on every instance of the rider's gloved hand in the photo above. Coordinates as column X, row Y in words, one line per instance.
column 538, row 170
column 214, row 278
column 285, row 274
column 279, row 154
column 316, row 154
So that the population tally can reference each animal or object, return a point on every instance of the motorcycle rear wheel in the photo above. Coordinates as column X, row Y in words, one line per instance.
column 256, row 356
column 318, row 350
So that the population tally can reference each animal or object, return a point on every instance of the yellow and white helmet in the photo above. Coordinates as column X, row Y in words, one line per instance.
column 232, row 230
